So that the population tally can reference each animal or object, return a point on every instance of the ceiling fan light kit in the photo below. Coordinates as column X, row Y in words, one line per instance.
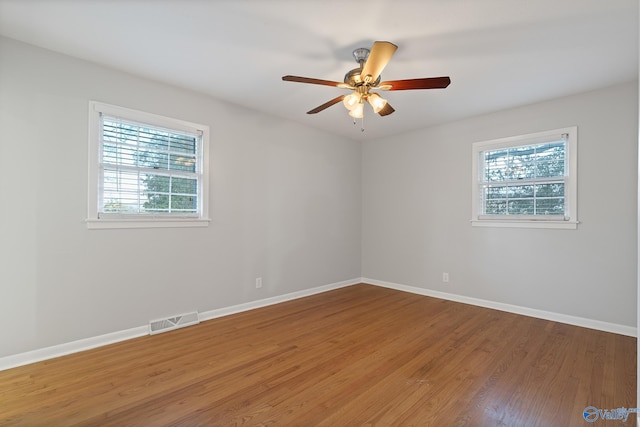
column 358, row 111
column 366, row 77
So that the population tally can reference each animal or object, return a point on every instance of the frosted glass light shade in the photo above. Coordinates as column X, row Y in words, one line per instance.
column 358, row 111
column 376, row 101
column 351, row 101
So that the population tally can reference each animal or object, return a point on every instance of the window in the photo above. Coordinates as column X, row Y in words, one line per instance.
column 526, row 181
column 145, row 170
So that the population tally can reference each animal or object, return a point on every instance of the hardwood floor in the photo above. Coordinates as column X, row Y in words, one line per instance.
column 361, row 355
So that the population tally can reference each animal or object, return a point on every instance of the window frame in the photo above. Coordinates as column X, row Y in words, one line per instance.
column 97, row 220
column 570, row 218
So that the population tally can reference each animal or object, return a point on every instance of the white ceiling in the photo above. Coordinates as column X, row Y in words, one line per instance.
column 498, row 53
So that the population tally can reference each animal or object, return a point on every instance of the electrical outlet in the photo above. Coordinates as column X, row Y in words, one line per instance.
column 445, row 277
column 258, row 282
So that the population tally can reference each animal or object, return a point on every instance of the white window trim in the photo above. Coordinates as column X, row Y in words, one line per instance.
column 93, row 220
column 570, row 220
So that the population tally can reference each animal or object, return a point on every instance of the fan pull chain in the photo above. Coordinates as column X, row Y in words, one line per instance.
column 362, row 123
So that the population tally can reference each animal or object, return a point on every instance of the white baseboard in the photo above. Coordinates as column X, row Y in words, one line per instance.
column 38, row 355
column 226, row 311
column 46, row 353
column 525, row 311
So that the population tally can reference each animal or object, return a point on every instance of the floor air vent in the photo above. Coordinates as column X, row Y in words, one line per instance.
column 171, row 323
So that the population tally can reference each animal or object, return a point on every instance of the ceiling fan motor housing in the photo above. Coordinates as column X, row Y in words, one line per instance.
column 354, row 78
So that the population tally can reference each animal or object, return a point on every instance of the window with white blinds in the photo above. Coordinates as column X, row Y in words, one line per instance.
column 526, row 181
column 147, row 170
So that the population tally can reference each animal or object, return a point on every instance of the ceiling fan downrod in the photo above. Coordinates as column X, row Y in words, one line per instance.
column 354, row 78
column 361, row 54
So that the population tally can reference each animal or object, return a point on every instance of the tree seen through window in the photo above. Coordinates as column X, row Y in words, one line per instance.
column 525, row 180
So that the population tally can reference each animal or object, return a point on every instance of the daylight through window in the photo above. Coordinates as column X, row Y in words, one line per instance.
column 525, row 179
column 150, row 169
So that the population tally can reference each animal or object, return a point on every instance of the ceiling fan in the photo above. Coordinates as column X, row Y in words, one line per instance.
column 366, row 77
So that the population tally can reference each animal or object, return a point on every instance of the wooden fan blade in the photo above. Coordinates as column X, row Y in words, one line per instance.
column 426, row 83
column 380, row 54
column 386, row 110
column 326, row 105
column 310, row 80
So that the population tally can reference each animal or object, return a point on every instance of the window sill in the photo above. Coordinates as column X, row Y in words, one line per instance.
column 99, row 224
column 569, row 225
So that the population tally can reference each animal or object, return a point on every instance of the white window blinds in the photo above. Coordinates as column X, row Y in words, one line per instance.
column 147, row 169
column 525, row 180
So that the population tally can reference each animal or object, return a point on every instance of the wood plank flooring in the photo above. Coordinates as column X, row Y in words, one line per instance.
column 361, row 355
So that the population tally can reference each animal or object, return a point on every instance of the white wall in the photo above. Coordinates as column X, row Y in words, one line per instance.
column 292, row 205
column 284, row 203
column 417, row 206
